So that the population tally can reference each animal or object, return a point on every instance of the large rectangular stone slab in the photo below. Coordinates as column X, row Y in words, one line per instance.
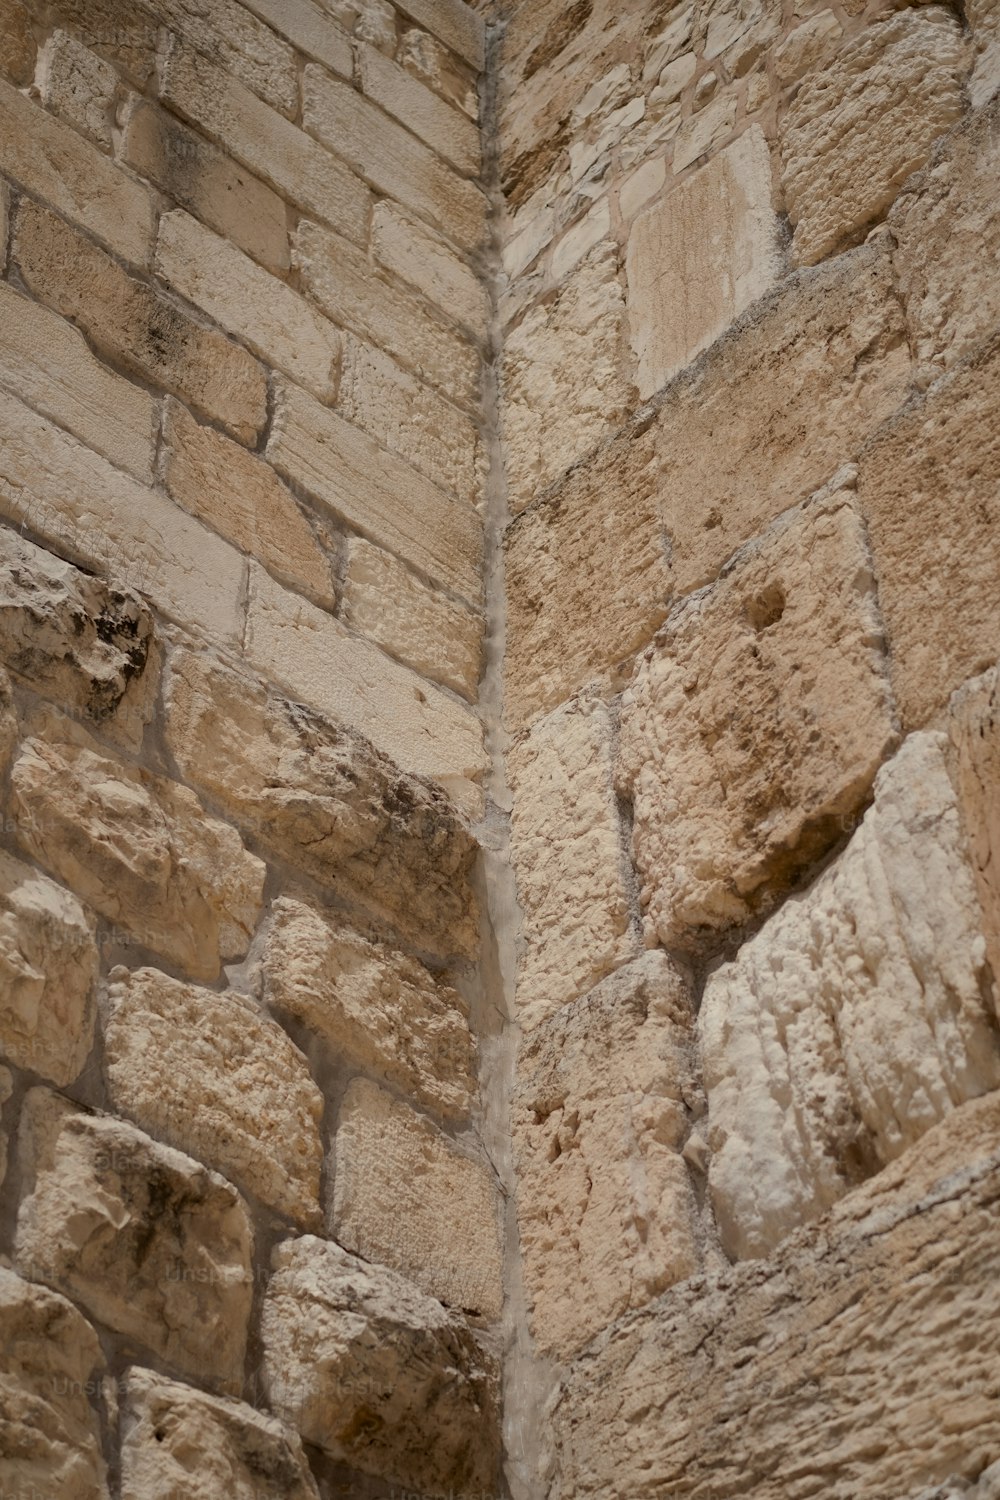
column 79, row 87
column 446, row 130
column 407, row 249
column 453, row 22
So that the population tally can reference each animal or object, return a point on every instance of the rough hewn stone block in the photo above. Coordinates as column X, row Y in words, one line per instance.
column 736, row 792
column 51, row 1359
column 130, row 324
column 699, row 257
column 138, row 848
column 605, row 1092
column 309, row 30
column 17, row 43
column 427, row 59
column 48, row 969
column 452, row 134
column 807, row 48
column 845, row 157
column 406, row 1196
column 705, row 130
column 79, row 87
column 406, row 248
column 453, row 22
column 325, row 799
column 377, row 1374
column 148, row 1241
column 124, row 31
column 974, row 729
column 211, row 1076
column 6, row 1089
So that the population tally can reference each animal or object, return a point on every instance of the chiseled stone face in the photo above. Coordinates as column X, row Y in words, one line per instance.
column 973, row 727
column 408, row 1197
column 377, row 1374
column 755, row 723
column 208, row 1074
column 855, row 1019
column 147, row 1240
column 49, row 1360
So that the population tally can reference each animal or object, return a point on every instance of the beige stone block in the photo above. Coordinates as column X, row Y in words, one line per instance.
column 51, row 1359
column 984, row 19
column 375, row 492
column 972, row 724
column 309, row 30
column 929, row 490
column 248, row 302
column 581, row 239
column 179, row 1441
column 411, row 419
column 123, row 31
column 76, row 501
column 272, row 147
column 845, row 160
column 808, row 47
column 606, row 1211
column 241, row 497
column 945, row 225
column 203, row 179
column 641, row 185
column 720, row 24
column 699, row 257
column 342, row 282
column 212, row 1076
column 447, row 131
column 567, row 847
column 137, row 848
column 48, row 967
column 406, row 1196
column 865, row 1345
column 562, row 388
column 6, row 1089
column 130, row 324
column 8, row 721
column 48, row 158
column 79, row 87
column 391, row 160
column 17, row 43
column 855, row 1020
column 323, row 798
column 427, row 59
column 375, row 1373
column 735, row 794
column 453, row 22
column 705, row 130
column 437, row 636
column 406, row 248
column 244, row 47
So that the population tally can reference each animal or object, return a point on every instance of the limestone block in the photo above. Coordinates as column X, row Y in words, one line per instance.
column 243, row 47
column 423, row 55
column 178, row 1441
column 983, row 17
column 8, row 721
column 582, row 238
column 567, row 848
column 973, row 724
column 375, row 24
column 241, row 497
column 128, row 323
column 705, row 130
column 406, row 1196
column 79, row 87
column 17, row 43
column 248, row 302
column 721, row 24
column 929, row 489
column 845, row 159
column 326, row 800
column 48, row 158
column 808, row 47
column 451, row 134
column 455, row 23
column 51, row 1360
column 945, row 227
column 309, row 30
column 736, row 792
column 375, row 492
column 123, row 31
column 298, row 167
column 562, row 390
column 864, row 1345
column 854, row 1020
column 48, row 967
column 606, row 1211
column 407, row 249
column 203, row 179
column 6, row 1089
column 377, row 1374
column 71, row 637
column 149, row 1242
column 211, row 1076
column 436, row 635
column 139, row 849
column 699, row 257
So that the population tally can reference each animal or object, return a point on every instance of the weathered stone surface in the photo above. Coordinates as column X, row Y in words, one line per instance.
column 855, row 1019
column 51, row 1360
column 6, row 1089
column 452, row 134
column 324, row 798
column 562, row 390
column 974, row 730
column 377, row 1374
column 79, row 87
column 406, row 1196
column 755, row 723
column 946, row 228
column 243, row 47
column 845, row 159
column 808, row 47
column 211, row 1076
column 453, row 22
column 406, row 248
column 606, row 1212
column 436, row 635
column 309, row 31
column 699, row 257
column 567, row 846
column 928, row 485
column 240, row 496
column 984, row 19
column 8, row 721
column 148, row 1241
column 138, row 848
column 705, row 130
column 17, row 44
column 854, row 1362
column 48, row 974
column 427, row 59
